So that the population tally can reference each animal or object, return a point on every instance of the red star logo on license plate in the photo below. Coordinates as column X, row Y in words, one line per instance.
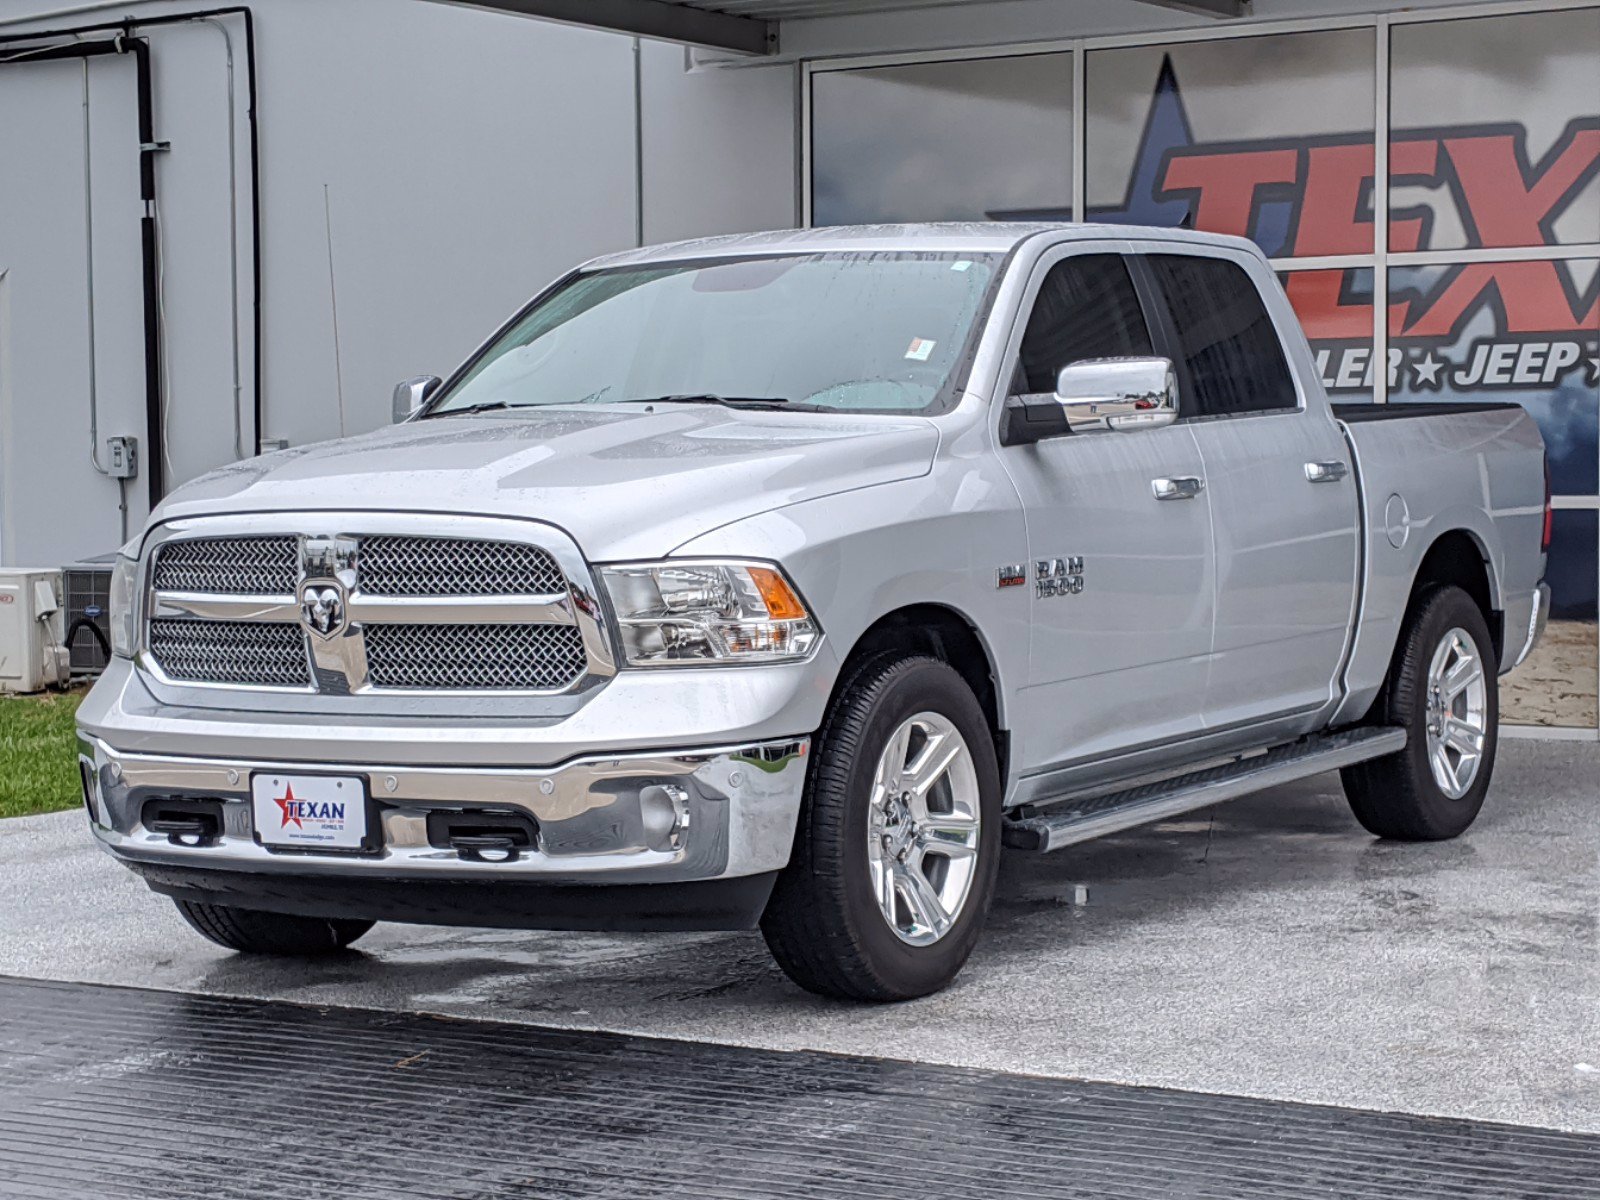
column 290, row 807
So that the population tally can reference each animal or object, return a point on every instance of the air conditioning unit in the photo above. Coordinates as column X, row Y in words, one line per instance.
column 87, row 603
column 32, row 656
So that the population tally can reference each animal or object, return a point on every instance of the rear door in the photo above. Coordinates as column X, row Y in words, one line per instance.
column 1120, row 582
column 1282, row 488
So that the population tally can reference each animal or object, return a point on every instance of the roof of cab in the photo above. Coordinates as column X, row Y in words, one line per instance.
column 976, row 237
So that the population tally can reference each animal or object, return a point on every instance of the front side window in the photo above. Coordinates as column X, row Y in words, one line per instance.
column 1230, row 357
column 1087, row 308
column 836, row 332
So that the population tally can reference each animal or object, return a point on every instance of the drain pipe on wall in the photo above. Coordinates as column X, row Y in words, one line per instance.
column 88, row 260
column 638, row 142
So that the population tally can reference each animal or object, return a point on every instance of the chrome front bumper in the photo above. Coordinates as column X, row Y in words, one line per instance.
column 622, row 818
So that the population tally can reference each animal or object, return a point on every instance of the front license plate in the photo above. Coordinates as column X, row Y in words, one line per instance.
column 310, row 812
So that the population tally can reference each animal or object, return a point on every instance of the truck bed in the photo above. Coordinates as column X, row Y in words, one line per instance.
column 1473, row 468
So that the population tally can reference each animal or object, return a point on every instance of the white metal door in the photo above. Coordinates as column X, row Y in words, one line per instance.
column 61, row 357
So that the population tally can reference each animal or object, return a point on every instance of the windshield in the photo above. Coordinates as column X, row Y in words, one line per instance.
column 861, row 333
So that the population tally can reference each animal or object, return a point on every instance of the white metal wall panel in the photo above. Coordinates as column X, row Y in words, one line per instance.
column 719, row 148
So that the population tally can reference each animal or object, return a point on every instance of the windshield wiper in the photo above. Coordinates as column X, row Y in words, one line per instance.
column 485, row 407
column 714, row 398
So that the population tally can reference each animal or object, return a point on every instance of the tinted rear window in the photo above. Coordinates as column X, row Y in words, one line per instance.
column 1230, row 355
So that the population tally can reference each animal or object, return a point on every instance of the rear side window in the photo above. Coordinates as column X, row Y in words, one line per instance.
column 1229, row 349
column 1087, row 308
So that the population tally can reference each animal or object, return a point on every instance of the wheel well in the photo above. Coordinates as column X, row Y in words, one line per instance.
column 944, row 634
column 1456, row 559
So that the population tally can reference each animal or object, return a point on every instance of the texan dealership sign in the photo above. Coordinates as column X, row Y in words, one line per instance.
column 1457, row 329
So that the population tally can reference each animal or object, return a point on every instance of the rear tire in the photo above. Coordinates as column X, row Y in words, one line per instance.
column 253, row 932
column 1443, row 689
column 895, row 856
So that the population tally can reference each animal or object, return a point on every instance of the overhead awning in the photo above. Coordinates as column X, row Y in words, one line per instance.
column 753, row 26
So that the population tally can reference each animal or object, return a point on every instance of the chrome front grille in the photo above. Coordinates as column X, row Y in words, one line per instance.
column 257, row 653
column 241, row 566
column 427, row 566
column 345, row 615
column 515, row 658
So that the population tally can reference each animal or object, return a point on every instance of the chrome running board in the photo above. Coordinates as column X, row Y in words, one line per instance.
column 1047, row 827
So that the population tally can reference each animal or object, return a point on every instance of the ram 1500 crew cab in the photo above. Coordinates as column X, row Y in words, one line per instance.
column 781, row 580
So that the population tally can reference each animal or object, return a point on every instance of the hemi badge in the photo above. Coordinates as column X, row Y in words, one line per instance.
column 1015, row 575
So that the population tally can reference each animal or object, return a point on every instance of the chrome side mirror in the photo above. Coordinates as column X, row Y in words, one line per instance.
column 1118, row 394
column 412, row 395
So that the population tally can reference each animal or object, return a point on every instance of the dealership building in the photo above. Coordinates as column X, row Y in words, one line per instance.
column 230, row 228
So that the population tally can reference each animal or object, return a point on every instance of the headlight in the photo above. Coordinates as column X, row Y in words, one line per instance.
column 124, row 605
column 671, row 613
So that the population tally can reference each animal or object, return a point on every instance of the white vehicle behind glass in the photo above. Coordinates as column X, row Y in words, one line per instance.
column 781, row 580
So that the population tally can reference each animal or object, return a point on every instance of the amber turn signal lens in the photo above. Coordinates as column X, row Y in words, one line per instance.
column 782, row 604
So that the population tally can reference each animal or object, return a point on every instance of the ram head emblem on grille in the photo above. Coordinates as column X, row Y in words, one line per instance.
column 322, row 609
column 327, row 566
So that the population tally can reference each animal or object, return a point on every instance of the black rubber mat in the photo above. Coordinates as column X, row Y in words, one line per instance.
column 110, row 1092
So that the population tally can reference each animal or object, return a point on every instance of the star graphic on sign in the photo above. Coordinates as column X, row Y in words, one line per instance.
column 283, row 805
column 1594, row 369
column 1427, row 370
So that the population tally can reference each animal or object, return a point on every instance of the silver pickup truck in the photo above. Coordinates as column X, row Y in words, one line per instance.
column 782, row 580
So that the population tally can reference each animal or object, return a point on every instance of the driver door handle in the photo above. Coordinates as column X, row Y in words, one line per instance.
column 1179, row 487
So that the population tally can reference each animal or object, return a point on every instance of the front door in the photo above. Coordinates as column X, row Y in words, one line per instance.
column 1121, row 581
column 71, row 306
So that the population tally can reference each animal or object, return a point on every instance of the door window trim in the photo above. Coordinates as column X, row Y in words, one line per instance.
column 1164, row 333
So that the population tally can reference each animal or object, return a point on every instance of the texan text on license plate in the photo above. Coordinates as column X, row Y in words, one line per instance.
column 318, row 812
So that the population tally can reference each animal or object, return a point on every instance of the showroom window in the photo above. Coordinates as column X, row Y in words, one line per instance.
column 1472, row 275
column 966, row 140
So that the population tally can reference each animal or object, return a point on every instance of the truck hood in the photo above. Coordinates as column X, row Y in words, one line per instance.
column 624, row 482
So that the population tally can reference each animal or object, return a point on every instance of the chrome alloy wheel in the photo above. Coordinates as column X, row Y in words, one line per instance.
column 922, row 828
column 1457, row 717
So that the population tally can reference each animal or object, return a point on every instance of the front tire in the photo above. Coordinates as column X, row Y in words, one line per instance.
column 898, row 842
column 253, row 932
column 1443, row 689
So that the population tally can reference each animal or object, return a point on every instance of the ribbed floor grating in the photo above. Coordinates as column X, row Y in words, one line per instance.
column 110, row 1092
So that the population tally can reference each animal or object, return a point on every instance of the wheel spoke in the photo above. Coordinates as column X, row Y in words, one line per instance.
column 883, row 886
column 1444, row 770
column 1460, row 677
column 1462, row 737
column 950, row 834
column 953, row 850
column 930, row 767
column 892, row 766
column 922, row 901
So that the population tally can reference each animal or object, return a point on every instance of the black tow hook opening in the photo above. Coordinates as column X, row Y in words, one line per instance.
column 483, row 836
column 185, row 822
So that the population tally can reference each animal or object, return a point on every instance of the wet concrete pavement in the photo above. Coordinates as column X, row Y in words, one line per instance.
column 1269, row 948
